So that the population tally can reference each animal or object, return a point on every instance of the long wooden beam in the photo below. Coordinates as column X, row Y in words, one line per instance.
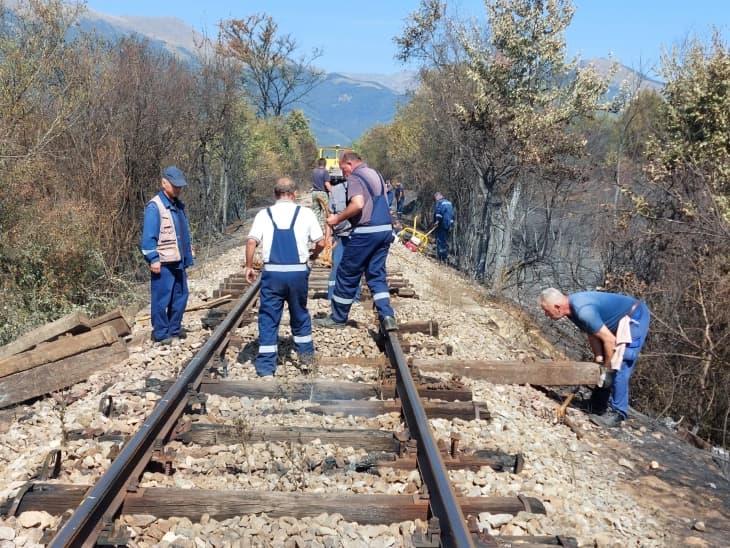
column 76, row 322
column 379, row 442
column 54, row 376
column 164, row 502
column 382, row 446
column 543, row 372
column 319, row 390
column 363, row 361
column 434, row 410
column 116, row 319
column 358, row 438
column 57, row 350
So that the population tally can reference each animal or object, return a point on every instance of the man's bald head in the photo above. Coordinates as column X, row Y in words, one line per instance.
column 284, row 186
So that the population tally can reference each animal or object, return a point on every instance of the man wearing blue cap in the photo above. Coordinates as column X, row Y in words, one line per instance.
column 167, row 249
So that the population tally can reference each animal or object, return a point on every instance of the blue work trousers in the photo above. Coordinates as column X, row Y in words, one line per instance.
column 169, row 297
column 337, row 251
column 442, row 243
column 278, row 288
column 363, row 254
column 619, row 400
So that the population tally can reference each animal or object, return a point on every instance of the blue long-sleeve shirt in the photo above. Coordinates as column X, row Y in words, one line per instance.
column 151, row 232
column 443, row 214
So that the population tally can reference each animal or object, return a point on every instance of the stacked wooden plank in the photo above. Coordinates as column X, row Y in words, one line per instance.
column 60, row 354
column 319, row 280
column 233, row 286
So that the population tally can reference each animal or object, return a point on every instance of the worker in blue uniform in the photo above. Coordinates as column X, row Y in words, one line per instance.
column 167, row 248
column 285, row 231
column 443, row 219
column 390, row 194
column 617, row 326
column 367, row 251
column 399, row 193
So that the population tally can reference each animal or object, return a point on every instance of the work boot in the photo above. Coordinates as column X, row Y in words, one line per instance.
column 182, row 335
column 610, row 419
column 163, row 342
column 389, row 324
column 328, row 322
column 607, row 378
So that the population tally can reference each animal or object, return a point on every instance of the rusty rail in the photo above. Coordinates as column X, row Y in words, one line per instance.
column 443, row 503
column 102, row 502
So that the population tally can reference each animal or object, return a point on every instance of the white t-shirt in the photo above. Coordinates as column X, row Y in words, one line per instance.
column 306, row 229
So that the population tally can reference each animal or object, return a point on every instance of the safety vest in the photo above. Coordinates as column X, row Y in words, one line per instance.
column 167, row 246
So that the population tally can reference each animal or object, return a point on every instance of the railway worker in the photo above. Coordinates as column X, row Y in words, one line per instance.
column 285, row 231
column 390, row 194
column 617, row 326
column 166, row 246
column 443, row 218
column 400, row 197
column 320, row 177
column 340, row 234
column 367, row 250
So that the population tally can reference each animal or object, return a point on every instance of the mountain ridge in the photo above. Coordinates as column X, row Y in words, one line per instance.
column 343, row 106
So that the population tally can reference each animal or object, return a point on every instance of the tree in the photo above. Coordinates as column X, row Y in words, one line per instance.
column 515, row 99
column 681, row 234
column 85, row 126
column 274, row 76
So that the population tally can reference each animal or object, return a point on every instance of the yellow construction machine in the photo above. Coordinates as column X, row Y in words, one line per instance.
column 331, row 154
column 414, row 239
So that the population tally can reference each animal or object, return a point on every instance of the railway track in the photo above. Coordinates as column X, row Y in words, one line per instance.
column 179, row 420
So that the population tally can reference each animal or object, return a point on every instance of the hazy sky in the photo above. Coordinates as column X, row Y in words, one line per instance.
column 634, row 31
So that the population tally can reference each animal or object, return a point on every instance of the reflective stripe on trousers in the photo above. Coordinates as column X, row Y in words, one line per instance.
column 364, row 253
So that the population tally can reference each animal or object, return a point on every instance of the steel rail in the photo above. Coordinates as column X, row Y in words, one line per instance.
column 442, row 498
column 104, row 499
